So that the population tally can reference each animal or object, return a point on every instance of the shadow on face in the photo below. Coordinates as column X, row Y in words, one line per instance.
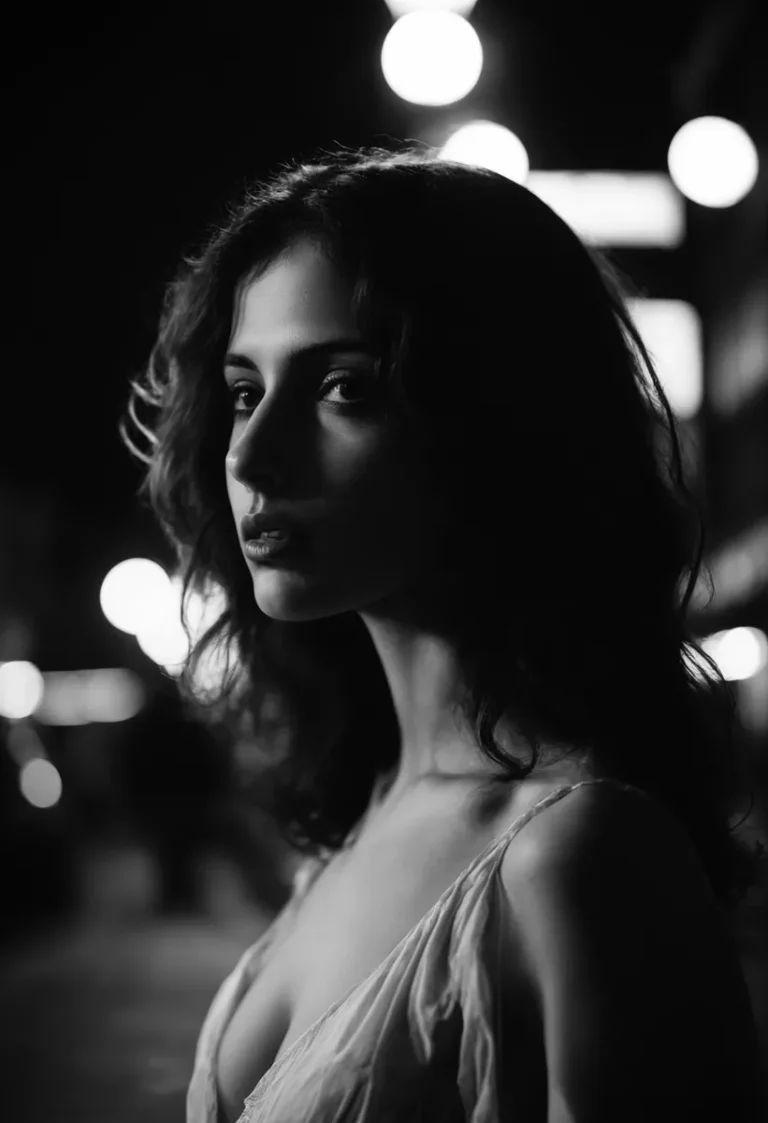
column 312, row 438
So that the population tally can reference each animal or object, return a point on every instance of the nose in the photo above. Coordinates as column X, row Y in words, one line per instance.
column 232, row 462
column 259, row 446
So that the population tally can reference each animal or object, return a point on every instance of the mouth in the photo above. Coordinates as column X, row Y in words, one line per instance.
column 268, row 524
column 272, row 544
column 271, row 536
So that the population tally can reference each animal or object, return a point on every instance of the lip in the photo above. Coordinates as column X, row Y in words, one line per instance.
column 263, row 550
column 255, row 524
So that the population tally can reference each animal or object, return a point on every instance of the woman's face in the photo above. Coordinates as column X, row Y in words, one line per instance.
column 332, row 457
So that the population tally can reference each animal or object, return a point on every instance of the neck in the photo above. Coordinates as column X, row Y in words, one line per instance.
column 421, row 668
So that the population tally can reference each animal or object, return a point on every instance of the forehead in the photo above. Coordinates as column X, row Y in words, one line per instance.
column 300, row 289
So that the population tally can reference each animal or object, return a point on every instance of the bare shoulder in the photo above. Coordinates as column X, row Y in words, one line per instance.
column 640, row 989
column 602, row 852
column 598, row 829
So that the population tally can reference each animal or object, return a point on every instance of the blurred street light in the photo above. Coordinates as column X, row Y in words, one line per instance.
column 488, row 145
column 713, row 161
column 432, row 57
column 134, row 594
column 21, row 689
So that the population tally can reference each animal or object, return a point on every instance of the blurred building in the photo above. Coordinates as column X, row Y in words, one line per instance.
column 724, row 73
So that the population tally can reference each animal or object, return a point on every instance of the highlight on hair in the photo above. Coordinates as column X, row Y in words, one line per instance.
column 508, row 341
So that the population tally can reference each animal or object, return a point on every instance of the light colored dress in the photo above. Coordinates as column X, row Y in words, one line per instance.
column 412, row 1043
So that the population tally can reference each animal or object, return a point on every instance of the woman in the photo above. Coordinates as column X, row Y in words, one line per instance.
column 402, row 423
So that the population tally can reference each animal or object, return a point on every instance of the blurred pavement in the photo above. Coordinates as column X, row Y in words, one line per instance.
column 100, row 1017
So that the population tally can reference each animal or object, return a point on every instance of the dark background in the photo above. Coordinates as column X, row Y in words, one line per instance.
column 126, row 129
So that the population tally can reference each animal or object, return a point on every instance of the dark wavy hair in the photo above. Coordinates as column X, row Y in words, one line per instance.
column 509, row 342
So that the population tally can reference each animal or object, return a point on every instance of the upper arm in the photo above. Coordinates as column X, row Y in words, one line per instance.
column 645, row 1011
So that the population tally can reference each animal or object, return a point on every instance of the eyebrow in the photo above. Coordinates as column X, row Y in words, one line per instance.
column 235, row 359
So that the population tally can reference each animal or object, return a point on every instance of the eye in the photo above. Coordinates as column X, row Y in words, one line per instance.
column 345, row 378
column 239, row 390
column 235, row 392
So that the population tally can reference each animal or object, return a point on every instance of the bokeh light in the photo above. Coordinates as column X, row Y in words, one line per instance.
column 614, row 208
column 671, row 332
column 740, row 653
column 135, row 593
column 21, row 689
column 166, row 642
column 105, row 694
column 40, row 783
column 432, row 57
column 713, row 161
column 488, row 145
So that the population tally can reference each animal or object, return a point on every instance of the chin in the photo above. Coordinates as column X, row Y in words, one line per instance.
column 295, row 597
column 291, row 597
column 283, row 596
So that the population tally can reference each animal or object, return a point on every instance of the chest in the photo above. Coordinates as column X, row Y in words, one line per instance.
column 360, row 907
column 357, row 911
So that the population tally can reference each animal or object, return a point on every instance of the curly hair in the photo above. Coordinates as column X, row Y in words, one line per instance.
column 510, row 342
